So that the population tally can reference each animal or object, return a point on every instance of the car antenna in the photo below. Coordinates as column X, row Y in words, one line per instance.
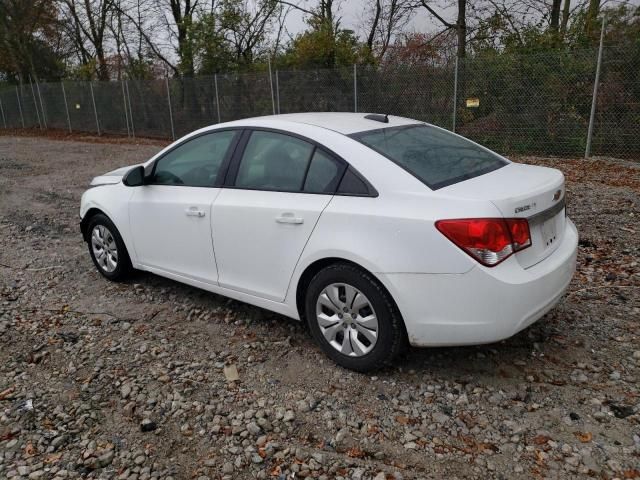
column 377, row 117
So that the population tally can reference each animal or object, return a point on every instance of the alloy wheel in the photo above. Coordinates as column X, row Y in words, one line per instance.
column 104, row 248
column 347, row 319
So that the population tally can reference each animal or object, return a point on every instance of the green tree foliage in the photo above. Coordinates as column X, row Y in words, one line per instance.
column 28, row 35
column 326, row 45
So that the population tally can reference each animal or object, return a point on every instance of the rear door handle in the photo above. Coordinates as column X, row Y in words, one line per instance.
column 289, row 217
column 194, row 212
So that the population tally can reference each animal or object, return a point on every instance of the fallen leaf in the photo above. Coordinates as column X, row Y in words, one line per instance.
column 29, row 450
column 6, row 392
column 541, row 439
column 585, row 437
column 355, row 452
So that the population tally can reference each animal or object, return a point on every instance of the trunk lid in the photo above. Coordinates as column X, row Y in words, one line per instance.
column 523, row 191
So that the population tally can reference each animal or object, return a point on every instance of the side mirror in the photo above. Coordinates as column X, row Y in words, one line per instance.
column 134, row 177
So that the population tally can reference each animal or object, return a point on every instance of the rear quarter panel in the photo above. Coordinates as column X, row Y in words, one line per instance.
column 391, row 233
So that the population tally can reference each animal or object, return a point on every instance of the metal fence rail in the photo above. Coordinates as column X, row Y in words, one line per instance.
column 539, row 104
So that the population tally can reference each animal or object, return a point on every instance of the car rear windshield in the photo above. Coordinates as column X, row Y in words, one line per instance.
column 436, row 157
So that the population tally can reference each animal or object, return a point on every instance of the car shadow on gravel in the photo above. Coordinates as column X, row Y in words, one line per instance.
column 502, row 360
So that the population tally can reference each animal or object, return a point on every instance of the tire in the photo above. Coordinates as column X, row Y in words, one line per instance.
column 103, row 236
column 351, row 338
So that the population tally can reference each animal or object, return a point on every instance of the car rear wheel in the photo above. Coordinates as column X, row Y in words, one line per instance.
column 353, row 318
column 107, row 248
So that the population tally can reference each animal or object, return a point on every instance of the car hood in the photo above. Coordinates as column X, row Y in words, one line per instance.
column 112, row 177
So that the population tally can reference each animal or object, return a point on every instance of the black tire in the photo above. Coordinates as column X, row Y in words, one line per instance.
column 123, row 267
column 391, row 336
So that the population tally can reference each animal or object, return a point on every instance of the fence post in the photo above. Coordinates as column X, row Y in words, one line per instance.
column 126, row 114
column 95, row 110
column 35, row 104
column 215, row 83
column 133, row 132
column 4, row 120
column 20, row 106
column 277, row 93
column 273, row 102
column 587, row 151
column 355, row 88
column 173, row 133
column 66, row 105
column 44, row 117
column 455, row 97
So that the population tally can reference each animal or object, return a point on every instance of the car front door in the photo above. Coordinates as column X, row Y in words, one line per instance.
column 170, row 216
column 278, row 188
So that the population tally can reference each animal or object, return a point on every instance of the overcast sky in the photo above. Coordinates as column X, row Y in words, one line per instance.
column 352, row 13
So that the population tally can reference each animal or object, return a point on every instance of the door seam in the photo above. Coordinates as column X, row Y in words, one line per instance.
column 286, row 293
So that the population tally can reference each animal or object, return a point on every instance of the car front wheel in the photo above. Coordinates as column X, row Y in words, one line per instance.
column 353, row 318
column 107, row 248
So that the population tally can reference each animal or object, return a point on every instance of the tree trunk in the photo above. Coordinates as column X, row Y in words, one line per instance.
column 461, row 28
column 374, row 26
column 555, row 16
column 566, row 9
column 592, row 14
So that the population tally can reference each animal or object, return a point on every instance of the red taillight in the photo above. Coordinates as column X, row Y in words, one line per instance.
column 488, row 240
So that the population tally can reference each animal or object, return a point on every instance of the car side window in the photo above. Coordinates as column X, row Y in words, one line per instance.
column 352, row 184
column 274, row 161
column 195, row 163
column 323, row 175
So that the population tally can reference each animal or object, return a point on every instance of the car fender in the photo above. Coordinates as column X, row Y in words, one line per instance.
column 117, row 198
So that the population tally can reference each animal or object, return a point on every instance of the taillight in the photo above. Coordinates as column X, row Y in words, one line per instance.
column 488, row 240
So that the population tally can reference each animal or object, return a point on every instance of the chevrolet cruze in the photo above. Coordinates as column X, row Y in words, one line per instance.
column 377, row 231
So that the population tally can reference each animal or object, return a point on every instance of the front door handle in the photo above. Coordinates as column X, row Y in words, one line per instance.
column 194, row 212
column 289, row 217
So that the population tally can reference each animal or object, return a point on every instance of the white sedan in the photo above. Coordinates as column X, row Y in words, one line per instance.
column 378, row 231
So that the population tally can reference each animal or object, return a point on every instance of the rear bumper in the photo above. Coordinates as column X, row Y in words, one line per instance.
column 484, row 305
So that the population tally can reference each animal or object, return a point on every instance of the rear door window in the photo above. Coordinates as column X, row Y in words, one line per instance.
column 436, row 157
column 273, row 161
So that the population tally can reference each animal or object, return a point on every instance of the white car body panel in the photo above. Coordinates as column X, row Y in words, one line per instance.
column 239, row 250
column 256, row 247
column 162, row 218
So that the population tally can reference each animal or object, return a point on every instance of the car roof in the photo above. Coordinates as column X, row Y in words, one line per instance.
column 341, row 122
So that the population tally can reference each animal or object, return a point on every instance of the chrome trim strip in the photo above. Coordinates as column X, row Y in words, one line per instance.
column 548, row 213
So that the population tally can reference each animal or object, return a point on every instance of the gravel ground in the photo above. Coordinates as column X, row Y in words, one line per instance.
column 103, row 380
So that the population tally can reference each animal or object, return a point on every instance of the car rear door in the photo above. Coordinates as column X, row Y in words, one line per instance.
column 277, row 187
column 170, row 216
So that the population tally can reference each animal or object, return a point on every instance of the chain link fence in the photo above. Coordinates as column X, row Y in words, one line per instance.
column 538, row 104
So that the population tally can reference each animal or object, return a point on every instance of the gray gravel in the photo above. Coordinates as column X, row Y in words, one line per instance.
column 129, row 381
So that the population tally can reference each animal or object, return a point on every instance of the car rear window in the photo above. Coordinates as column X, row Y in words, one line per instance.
column 436, row 157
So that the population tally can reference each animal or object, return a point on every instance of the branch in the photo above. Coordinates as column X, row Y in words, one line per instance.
column 435, row 14
column 298, row 7
column 151, row 45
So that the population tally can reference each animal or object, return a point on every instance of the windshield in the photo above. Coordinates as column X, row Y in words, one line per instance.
column 436, row 157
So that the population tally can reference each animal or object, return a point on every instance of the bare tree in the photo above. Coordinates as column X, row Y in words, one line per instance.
column 87, row 22
column 459, row 26
column 246, row 27
column 387, row 18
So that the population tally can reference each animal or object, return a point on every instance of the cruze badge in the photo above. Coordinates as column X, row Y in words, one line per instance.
column 523, row 208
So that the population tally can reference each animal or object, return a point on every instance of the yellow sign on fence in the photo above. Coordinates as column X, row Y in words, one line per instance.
column 473, row 102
